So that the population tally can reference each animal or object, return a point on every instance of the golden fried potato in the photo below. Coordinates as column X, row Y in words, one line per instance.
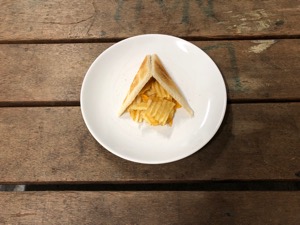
column 153, row 105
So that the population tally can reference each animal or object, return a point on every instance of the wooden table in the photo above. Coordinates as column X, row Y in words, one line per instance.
column 249, row 173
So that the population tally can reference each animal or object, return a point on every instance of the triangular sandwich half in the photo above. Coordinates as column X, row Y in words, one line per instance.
column 161, row 75
column 140, row 80
column 151, row 70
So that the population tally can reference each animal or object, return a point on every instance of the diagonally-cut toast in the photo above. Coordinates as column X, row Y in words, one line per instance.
column 161, row 75
column 152, row 67
column 141, row 78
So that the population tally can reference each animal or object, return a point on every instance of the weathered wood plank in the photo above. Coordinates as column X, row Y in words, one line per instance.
column 45, row 72
column 150, row 208
column 76, row 20
column 255, row 142
column 253, row 70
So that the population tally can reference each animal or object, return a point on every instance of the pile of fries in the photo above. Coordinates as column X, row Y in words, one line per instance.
column 153, row 105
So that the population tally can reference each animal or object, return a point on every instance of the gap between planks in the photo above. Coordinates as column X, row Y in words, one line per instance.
column 77, row 103
column 197, row 186
column 188, row 38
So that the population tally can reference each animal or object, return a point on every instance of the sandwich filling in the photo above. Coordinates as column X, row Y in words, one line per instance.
column 153, row 105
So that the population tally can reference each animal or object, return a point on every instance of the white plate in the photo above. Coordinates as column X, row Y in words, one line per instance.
column 107, row 82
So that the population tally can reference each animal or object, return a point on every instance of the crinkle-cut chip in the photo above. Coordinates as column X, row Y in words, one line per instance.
column 165, row 111
column 146, row 87
column 149, row 119
column 144, row 97
column 139, row 106
column 141, row 116
column 177, row 105
column 160, row 110
column 156, row 89
column 155, row 99
column 133, row 114
column 150, row 92
column 153, row 108
column 171, row 116
column 161, row 92
column 138, row 99
column 153, row 105
column 136, row 115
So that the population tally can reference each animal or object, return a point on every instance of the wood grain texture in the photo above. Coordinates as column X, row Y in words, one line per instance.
column 150, row 208
column 255, row 142
column 45, row 72
column 92, row 20
column 253, row 70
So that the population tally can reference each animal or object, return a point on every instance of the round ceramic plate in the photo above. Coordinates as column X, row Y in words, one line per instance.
column 108, row 80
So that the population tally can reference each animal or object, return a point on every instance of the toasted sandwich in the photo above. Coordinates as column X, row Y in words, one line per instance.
column 153, row 96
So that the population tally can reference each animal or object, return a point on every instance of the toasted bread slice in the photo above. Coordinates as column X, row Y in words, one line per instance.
column 152, row 67
column 161, row 75
column 141, row 78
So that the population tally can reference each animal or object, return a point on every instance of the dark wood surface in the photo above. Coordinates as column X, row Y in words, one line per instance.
column 260, row 208
column 93, row 20
column 52, row 74
column 249, row 173
column 52, row 144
